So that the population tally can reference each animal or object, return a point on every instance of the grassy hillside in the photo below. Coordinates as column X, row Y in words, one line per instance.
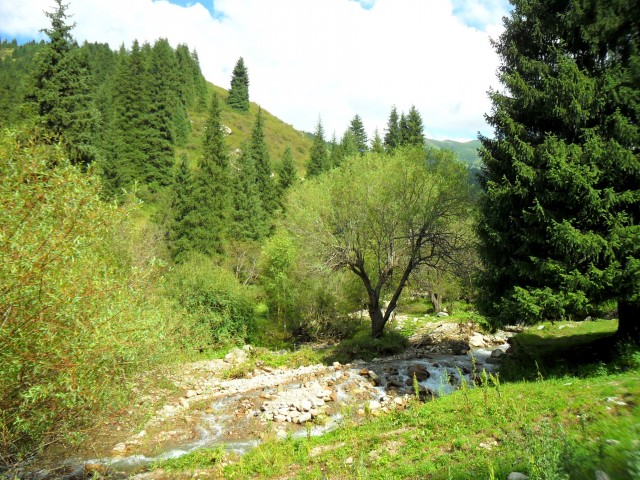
column 466, row 151
column 278, row 134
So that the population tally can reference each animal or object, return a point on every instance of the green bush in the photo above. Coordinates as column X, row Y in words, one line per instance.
column 217, row 307
column 75, row 314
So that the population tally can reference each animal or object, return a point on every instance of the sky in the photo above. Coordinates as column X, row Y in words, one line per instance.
column 315, row 59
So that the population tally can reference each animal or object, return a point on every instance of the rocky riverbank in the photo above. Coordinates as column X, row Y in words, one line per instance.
column 275, row 402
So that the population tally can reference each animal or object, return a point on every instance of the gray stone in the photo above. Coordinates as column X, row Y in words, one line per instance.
column 517, row 476
column 497, row 353
column 600, row 475
column 442, row 314
column 303, row 417
column 374, row 405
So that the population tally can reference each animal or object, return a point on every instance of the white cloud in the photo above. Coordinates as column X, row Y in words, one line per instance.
column 333, row 58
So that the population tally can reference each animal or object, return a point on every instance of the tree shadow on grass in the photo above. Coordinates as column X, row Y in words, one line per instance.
column 533, row 355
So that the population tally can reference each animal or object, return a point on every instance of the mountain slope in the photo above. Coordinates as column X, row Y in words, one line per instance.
column 278, row 134
column 466, row 151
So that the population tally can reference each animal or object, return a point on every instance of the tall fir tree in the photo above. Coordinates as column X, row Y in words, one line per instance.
column 164, row 102
column 392, row 135
column 126, row 158
column 61, row 89
column 414, row 133
column 356, row 127
column 249, row 218
column 319, row 157
column 377, row 146
column 211, row 187
column 335, row 155
column 403, row 128
column 561, row 213
column 182, row 207
column 264, row 176
column 287, row 175
column 239, row 92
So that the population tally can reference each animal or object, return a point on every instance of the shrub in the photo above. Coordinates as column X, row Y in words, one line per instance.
column 218, row 308
column 75, row 316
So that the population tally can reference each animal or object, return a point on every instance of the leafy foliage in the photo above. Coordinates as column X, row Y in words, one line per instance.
column 382, row 217
column 76, row 319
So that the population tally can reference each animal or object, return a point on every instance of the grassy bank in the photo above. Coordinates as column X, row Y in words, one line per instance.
column 560, row 424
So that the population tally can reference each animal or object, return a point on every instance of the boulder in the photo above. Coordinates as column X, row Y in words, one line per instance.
column 374, row 405
column 236, row 356
column 419, row 372
column 497, row 353
column 517, row 476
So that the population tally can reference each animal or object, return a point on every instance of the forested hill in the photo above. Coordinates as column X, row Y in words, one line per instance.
column 17, row 61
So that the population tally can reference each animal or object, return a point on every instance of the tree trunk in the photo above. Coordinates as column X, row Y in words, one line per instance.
column 377, row 322
column 628, row 321
column 436, row 300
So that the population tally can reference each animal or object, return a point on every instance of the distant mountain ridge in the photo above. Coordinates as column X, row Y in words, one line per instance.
column 467, row 151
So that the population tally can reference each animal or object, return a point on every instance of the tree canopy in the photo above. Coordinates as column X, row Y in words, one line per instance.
column 382, row 218
column 560, row 224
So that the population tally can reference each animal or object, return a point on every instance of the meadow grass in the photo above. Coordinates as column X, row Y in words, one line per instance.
column 561, row 424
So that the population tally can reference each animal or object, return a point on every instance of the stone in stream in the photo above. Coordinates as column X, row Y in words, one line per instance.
column 420, row 373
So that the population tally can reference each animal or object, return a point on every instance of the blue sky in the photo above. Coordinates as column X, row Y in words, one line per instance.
column 308, row 59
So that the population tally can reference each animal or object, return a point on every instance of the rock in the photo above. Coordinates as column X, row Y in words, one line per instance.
column 306, row 405
column 190, row 393
column 364, row 372
column 517, row 476
column 477, row 340
column 600, row 475
column 460, row 347
column 279, row 418
column 494, row 361
column 442, row 314
column 497, row 353
column 615, row 401
column 226, row 130
column 348, row 461
column 541, row 327
column 419, row 372
column 374, row 405
column 95, row 470
column 399, row 401
column 236, row 356
column 303, row 417
column 373, row 376
column 120, row 448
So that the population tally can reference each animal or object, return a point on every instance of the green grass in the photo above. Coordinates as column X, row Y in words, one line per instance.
column 559, row 428
column 278, row 134
column 566, row 423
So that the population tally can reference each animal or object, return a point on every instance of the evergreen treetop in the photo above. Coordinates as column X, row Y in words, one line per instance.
column 319, row 157
column 239, row 92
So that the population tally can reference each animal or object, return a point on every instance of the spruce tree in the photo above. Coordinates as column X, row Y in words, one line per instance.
column 211, row 187
column 239, row 92
column 376, row 144
column 127, row 156
column 335, row 154
column 403, row 128
column 249, row 218
column 287, row 175
column 164, row 102
column 414, row 134
column 356, row 127
column 561, row 212
column 260, row 155
column 60, row 89
column 392, row 135
column 319, row 158
column 183, row 207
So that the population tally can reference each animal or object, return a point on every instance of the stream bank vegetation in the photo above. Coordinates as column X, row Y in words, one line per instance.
column 145, row 222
